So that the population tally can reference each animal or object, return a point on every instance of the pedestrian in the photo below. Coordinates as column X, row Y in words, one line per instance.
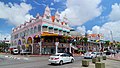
column 6, row 51
column 114, row 52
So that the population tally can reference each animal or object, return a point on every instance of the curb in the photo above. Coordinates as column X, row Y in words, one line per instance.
column 114, row 59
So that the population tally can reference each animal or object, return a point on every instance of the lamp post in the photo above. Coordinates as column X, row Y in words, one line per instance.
column 111, row 34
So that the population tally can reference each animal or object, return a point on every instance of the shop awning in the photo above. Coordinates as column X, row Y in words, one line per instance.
column 64, row 30
column 60, row 28
column 50, row 27
column 49, row 34
column 56, row 28
column 44, row 25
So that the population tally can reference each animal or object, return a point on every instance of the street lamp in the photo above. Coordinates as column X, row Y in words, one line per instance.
column 111, row 33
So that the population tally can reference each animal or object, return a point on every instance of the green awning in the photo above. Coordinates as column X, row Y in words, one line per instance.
column 55, row 28
column 68, row 31
column 64, row 30
column 50, row 27
column 45, row 25
column 60, row 29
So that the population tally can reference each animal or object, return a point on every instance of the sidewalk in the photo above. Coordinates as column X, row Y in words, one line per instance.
column 108, row 64
column 116, row 57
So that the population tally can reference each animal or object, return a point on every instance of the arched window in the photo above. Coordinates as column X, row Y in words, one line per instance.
column 25, row 32
column 48, row 17
column 35, row 29
column 57, row 20
column 31, row 30
column 39, row 27
column 28, row 32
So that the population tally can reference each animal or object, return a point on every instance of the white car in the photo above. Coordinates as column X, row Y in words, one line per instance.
column 61, row 58
column 24, row 52
column 15, row 51
column 90, row 55
column 98, row 54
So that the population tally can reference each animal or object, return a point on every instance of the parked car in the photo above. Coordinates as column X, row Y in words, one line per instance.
column 98, row 54
column 15, row 51
column 24, row 52
column 90, row 55
column 61, row 58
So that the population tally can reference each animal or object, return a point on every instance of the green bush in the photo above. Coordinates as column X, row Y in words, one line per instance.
column 99, row 59
column 99, row 65
column 85, row 63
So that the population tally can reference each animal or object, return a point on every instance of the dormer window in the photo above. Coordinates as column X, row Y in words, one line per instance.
column 57, row 20
column 48, row 17
column 32, row 21
column 65, row 23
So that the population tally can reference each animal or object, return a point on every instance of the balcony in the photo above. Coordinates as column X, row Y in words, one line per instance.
column 44, row 29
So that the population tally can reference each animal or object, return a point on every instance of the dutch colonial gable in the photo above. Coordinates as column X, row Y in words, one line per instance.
column 47, row 14
column 65, row 20
column 38, row 16
column 57, row 17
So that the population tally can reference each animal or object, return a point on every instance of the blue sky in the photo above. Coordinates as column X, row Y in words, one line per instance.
column 86, row 16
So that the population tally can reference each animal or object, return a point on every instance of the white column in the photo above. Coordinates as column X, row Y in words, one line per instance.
column 100, row 46
column 70, row 47
column 32, row 48
column 40, row 44
column 56, row 44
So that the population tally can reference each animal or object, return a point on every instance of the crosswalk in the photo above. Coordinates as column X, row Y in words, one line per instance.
column 16, row 58
column 13, row 57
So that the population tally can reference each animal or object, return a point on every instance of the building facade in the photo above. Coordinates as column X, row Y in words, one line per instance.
column 40, row 34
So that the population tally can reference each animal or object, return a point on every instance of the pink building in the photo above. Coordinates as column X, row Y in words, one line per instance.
column 40, row 34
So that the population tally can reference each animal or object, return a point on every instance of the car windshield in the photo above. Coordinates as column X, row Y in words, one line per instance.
column 88, row 52
column 92, row 53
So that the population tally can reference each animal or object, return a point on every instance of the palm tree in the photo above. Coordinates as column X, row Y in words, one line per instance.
column 85, row 39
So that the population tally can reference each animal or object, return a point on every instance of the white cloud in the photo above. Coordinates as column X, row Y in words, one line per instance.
column 52, row 4
column 115, row 13
column 109, row 30
column 7, row 36
column 80, row 11
column 89, row 32
column 112, row 27
column 82, row 30
column 14, row 13
column 96, row 30
column 52, row 8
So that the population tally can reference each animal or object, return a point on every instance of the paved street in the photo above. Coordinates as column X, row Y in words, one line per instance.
column 16, row 61
column 36, row 62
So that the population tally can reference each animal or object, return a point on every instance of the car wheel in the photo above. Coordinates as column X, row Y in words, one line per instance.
column 72, row 60
column 52, row 63
column 61, row 62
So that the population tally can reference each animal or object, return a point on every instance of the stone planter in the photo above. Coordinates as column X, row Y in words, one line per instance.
column 85, row 63
column 104, row 57
column 99, row 65
column 99, row 59
column 94, row 60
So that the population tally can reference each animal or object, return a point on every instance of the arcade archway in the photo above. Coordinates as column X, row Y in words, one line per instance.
column 36, row 38
column 29, row 40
